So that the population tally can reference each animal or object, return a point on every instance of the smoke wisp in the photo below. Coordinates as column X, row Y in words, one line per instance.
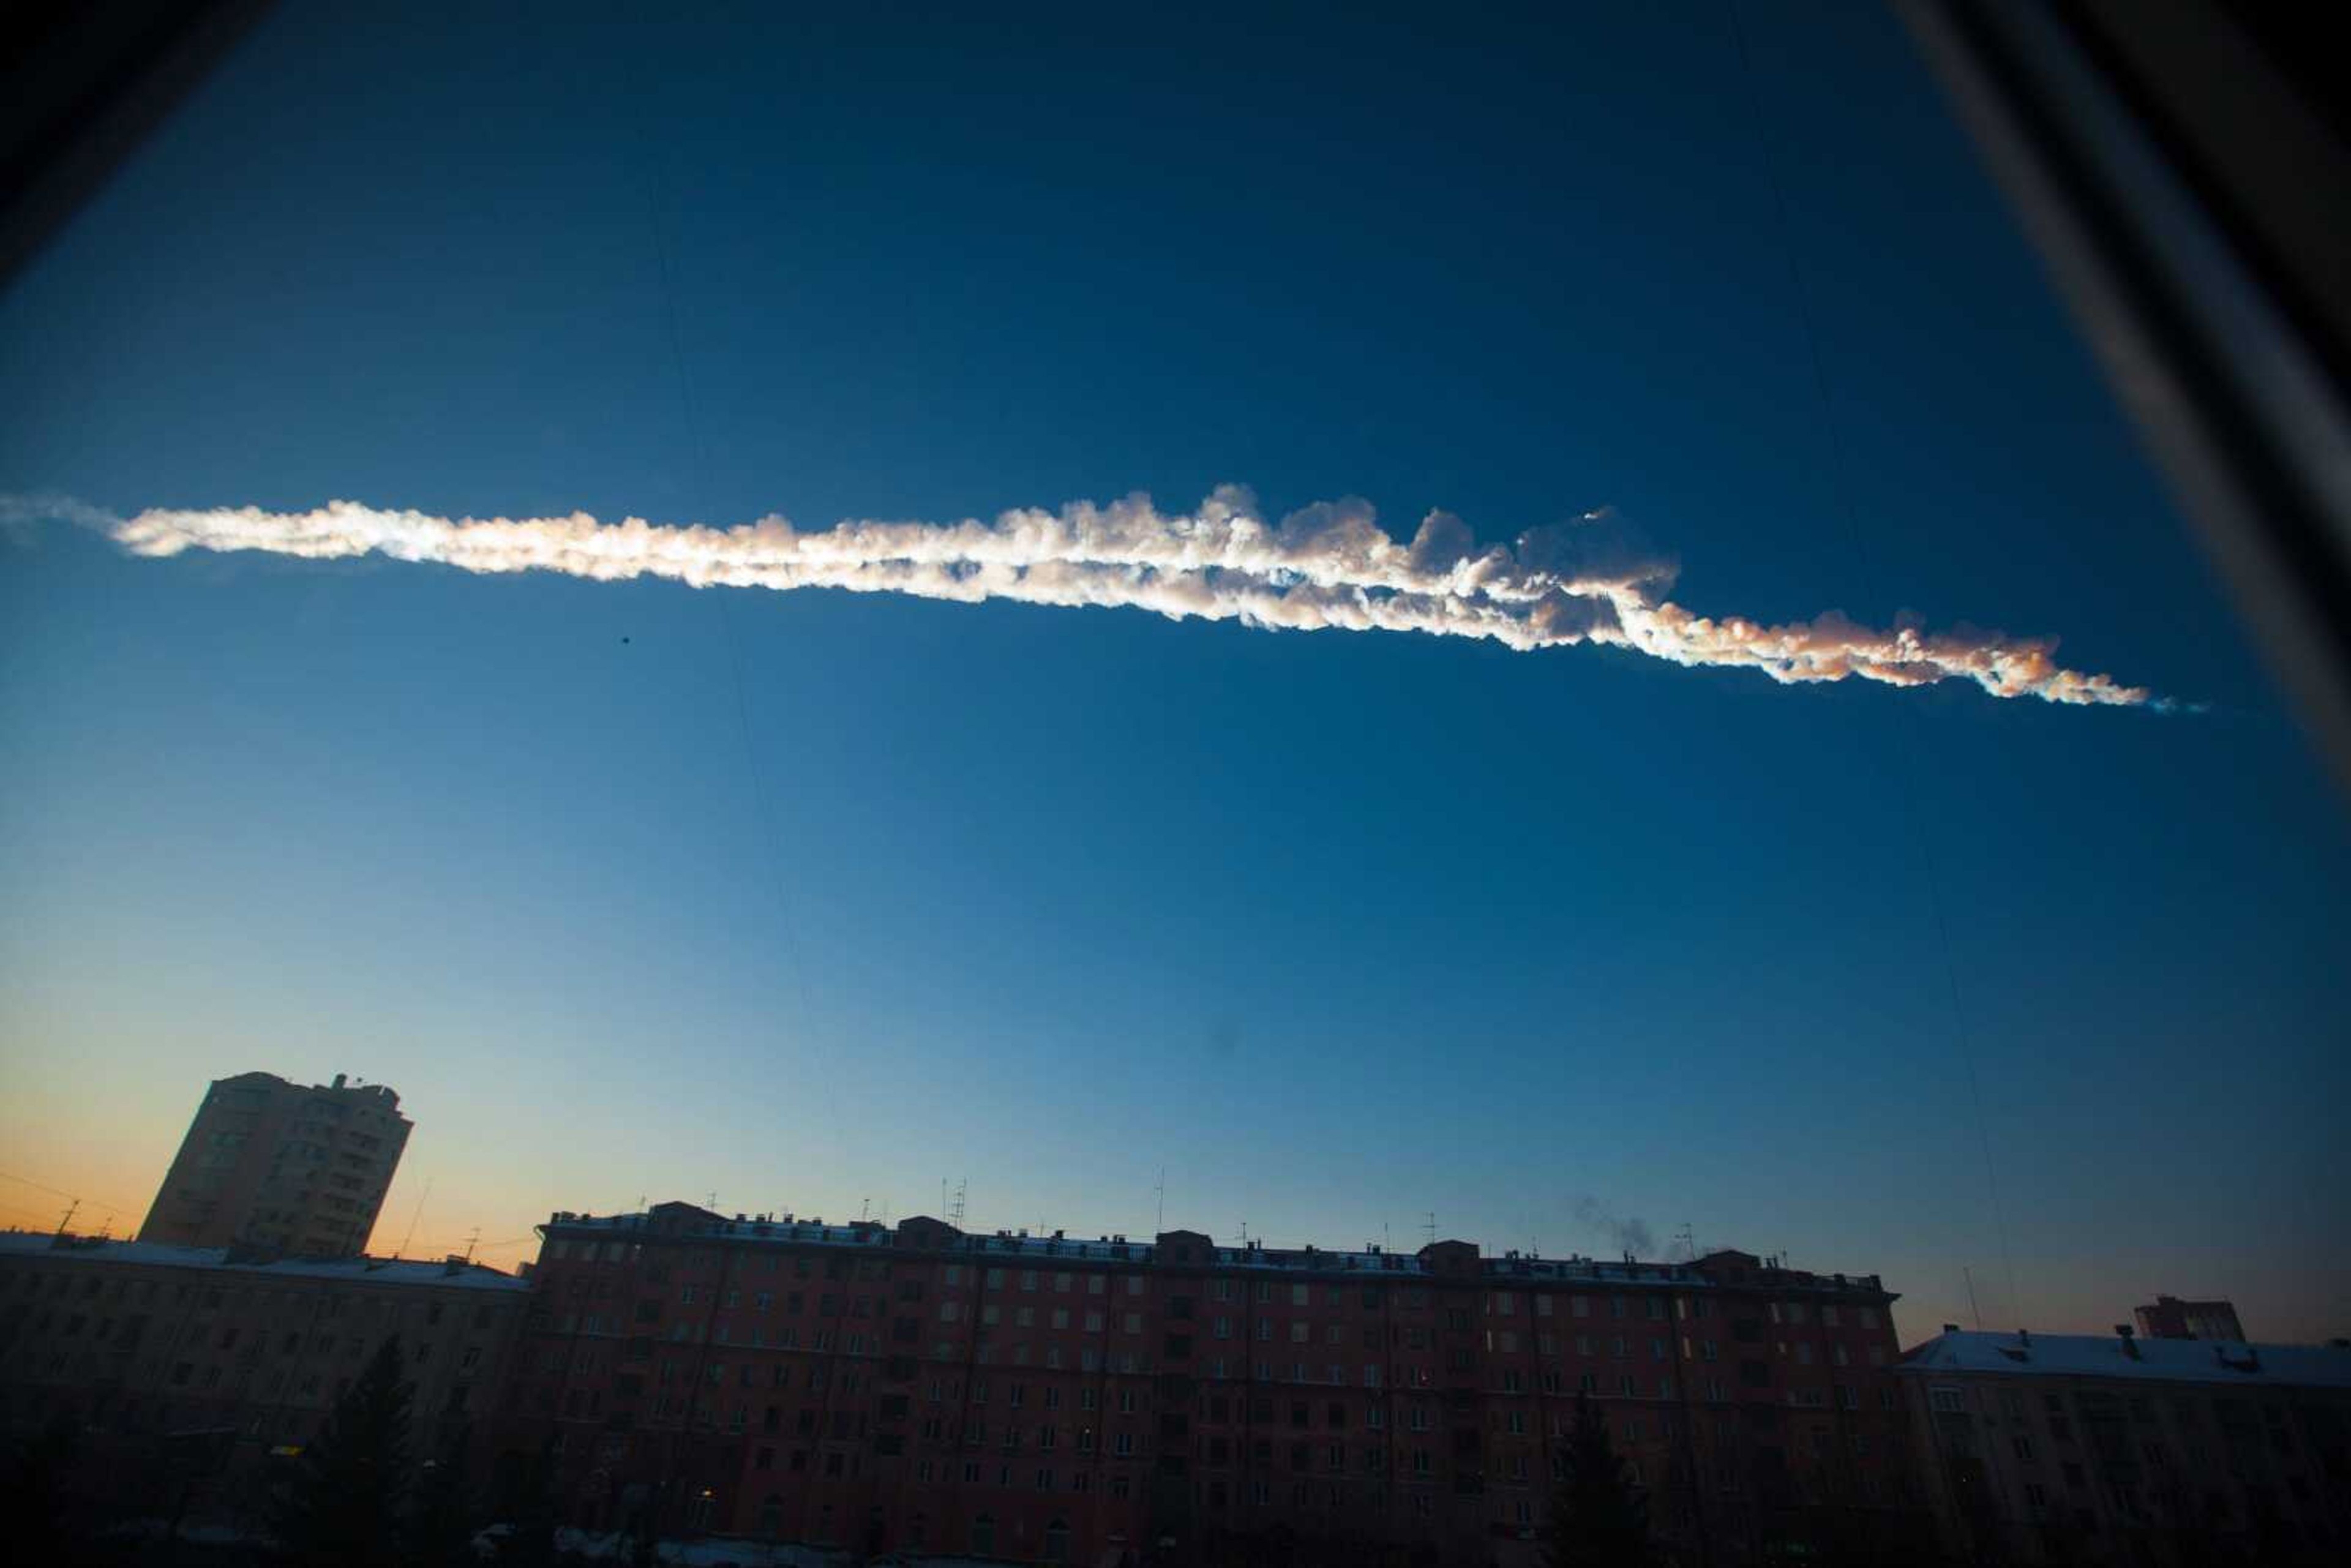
column 1625, row 1234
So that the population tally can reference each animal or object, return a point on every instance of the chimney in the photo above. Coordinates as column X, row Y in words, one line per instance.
column 2126, row 1333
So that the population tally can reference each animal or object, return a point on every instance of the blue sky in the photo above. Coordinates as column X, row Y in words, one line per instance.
column 813, row 899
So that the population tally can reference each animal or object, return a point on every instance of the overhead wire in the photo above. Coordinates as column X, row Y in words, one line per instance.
column 93, row 1199
column 762, row 801
column 1839, row 483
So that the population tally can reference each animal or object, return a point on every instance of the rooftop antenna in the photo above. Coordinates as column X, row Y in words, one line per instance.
column 864, row 1209
column 1430, row 1226
column 1162, row 1190
column 472, row 1241
column 714, row 1203
column 69, row 1213
column 415, row 1217
column 963, row 1191
column 1970, row 1276
column 1689, row 1246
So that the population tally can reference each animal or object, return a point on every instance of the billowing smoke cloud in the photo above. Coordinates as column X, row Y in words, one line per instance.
column 1624, row 1235
column 1329, row 567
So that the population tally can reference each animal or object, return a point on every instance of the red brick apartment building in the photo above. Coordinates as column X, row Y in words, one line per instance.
column 1046, row 1398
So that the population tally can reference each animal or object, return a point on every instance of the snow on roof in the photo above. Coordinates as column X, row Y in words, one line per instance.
column 693, row 1222
column 2158, row 1360
column 354, row 1271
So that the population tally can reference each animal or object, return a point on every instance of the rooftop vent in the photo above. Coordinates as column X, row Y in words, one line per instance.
column 2128, row 1335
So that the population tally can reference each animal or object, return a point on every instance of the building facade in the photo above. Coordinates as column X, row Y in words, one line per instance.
column 2168, row 1317
column 2074, row 1449
column 1046, row 1398
column 281, row 1167
column 186, row 1372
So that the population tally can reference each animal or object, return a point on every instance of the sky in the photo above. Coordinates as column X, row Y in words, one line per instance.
column 832, row 902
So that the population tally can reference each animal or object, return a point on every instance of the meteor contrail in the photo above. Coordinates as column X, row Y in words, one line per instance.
column 1329, row 567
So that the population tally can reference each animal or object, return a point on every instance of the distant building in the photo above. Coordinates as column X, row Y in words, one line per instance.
column 1044, row 1398
column 2066, row 1448
column 2171, row 1318
column 276, row 1167
column 187, row 1375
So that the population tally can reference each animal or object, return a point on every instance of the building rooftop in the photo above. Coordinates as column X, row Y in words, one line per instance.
column 2157, row 1360
column 451, row 1271
column 683, row 1219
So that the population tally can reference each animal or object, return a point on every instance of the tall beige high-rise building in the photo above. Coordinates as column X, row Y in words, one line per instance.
column 282, row 1167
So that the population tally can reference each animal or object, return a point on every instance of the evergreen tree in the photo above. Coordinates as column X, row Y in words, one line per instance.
column 343, row 1507
column 441, row 1520
column 1598, row 1520
column 36, row 1499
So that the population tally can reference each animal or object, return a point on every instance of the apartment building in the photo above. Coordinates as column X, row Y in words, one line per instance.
column 274, row 1166
column 1058, row 1400
column 2091, row 1449
column 186, row 1372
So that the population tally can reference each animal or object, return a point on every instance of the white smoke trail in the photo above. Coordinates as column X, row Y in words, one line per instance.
column 1328, row 567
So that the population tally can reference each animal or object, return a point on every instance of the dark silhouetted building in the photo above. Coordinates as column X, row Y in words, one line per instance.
column 187, row 1375
column 2171, row 1318
column 1049, row 1398
column 276, row 1167
column 2067, row 1448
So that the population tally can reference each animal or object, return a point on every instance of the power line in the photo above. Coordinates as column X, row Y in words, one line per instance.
column 96, row 1200
column 761, row 803
column 1840, row 484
